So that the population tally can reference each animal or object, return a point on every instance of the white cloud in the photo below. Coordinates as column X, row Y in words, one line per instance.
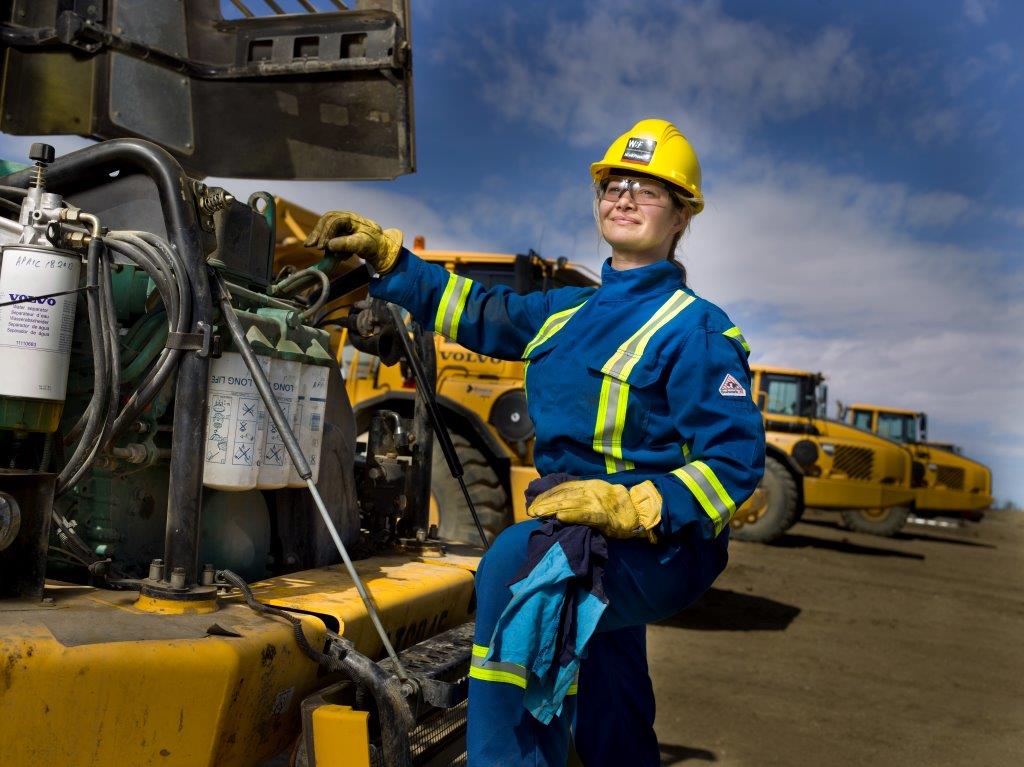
column 977, row 11
column 718, row 76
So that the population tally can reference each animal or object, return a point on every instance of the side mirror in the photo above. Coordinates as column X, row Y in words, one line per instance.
column 924, row 427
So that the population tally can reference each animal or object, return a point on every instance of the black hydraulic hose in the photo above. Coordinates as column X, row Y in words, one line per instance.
column 171, row 284
column 396, row 720
column 440, row 430
column 113, row 339
column 97, row 408
column 290, row 282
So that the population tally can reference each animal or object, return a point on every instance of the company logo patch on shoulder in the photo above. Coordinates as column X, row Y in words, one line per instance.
column 639, row 150
column 731, row 387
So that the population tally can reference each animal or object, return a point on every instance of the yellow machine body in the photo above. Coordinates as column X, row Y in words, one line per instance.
column 853, row 470
column 944, row 481
column 113, row 684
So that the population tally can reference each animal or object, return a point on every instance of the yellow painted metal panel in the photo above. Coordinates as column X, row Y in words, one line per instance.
column 340, row 737
column 91, row 680
column 416, row 598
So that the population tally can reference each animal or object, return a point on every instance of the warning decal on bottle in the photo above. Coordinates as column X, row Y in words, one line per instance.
column 639, row 150
column 731, row 387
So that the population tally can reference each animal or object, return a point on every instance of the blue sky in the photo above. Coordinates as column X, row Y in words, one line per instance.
column 862, row 166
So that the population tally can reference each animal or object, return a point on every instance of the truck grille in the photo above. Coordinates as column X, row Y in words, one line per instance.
column 951, row 476
column 855, row 462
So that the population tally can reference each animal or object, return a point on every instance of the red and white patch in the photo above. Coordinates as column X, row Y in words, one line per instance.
column 731, row 387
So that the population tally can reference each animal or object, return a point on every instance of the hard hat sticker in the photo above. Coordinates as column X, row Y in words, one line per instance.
column 731, row 387
column 639, row 150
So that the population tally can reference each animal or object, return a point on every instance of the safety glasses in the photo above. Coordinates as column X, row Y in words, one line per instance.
column 643, row 191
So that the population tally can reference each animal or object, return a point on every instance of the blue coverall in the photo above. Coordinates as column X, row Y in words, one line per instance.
column 637, row 379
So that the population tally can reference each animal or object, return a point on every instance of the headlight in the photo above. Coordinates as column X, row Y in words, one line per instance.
column 805, row 452
column 510, row 416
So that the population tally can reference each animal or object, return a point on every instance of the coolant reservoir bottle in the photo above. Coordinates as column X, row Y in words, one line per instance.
column 35, row 335
column 309, row 411
column 234, row 441
column 284, row 382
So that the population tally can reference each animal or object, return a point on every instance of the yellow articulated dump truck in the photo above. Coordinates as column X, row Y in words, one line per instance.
column 946, row 484
column 813, row 462
column 483, row 398
column 197, row 565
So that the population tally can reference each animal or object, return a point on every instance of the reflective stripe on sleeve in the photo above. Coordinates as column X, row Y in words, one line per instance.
column 734, row 332
column 453, row 303
column 701, row 481
column 506, row 673
column 551, row 325
column 611, row 411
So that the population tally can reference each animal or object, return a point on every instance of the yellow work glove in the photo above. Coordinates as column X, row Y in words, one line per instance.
column 614, row 510
column 351, row 234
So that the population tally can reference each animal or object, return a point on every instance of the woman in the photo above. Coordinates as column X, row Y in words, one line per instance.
column 639, row 391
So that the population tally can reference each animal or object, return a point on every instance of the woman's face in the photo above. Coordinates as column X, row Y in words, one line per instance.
column 637, row 215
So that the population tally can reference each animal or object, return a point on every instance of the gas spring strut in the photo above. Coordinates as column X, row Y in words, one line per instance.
column 444, row 439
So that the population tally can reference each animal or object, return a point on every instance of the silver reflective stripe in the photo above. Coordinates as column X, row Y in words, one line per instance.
column 453, row 301
column 697, row 477
column 505, row 668
column 506, row 673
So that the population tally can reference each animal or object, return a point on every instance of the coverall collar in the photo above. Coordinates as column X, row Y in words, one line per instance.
column 659, row 277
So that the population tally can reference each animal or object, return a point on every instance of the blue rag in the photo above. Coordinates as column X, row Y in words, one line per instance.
column 557, row 600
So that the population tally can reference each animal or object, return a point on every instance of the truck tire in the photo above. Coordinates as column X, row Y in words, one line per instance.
column 782, row 511
column 886, row 522
column 489, row 497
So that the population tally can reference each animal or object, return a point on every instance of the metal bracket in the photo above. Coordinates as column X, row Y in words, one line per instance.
column 204, row 342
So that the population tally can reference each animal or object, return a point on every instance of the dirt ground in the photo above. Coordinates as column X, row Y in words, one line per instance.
column 838, row 648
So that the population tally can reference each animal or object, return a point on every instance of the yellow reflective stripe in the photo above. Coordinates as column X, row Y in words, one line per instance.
column 629, row 354
column 734, row 332
column 572, row 689
column 613, row 403
column 686, row 452
column 720, row 491
column 494, row 675
column 453, row 302
column 551, row 325
column 442, row 306
column 705, row 486
column 459, row 308
column 479, row 651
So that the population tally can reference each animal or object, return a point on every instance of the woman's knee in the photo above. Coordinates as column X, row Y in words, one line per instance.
column 500, row 565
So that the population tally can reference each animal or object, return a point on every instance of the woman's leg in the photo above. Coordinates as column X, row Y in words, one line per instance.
column 615, row 706
column 500, row 730
column 644, row 583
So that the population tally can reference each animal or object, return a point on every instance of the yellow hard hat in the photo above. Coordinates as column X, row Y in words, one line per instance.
column 656, row 148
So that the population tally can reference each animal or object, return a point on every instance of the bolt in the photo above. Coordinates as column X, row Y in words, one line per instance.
column 421, row 535
column 208, row 575
column 178, row 578
column 156, row 570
